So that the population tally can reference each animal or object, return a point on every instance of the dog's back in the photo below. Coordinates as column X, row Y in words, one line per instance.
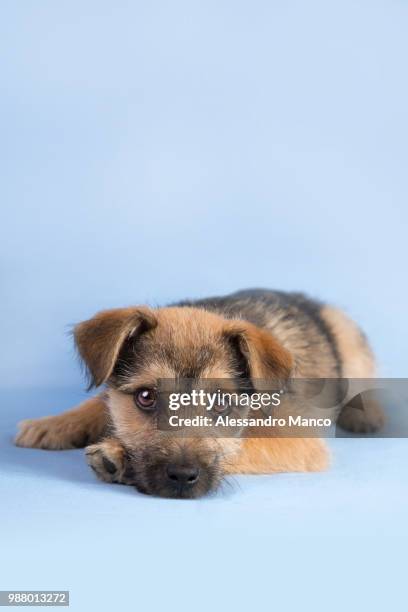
column 323, row 341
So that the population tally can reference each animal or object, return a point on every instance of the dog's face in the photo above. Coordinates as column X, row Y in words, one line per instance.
column 134, row 349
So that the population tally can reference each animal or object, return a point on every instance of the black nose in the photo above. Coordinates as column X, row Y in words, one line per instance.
column 183, row 475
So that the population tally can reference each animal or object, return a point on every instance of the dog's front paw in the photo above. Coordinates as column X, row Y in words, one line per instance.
column 108, row 461
column 53, row 433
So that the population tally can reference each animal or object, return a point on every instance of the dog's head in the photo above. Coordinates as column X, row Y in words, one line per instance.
column 132, row 349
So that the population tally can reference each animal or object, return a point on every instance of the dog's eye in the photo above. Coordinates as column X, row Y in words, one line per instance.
column 222, row 408
column 145, row 399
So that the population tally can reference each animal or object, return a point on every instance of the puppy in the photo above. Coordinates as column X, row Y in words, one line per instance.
column 241, row 338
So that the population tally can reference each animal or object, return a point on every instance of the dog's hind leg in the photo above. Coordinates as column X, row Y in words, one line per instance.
column 362, row 414
column 271, row 455
column 75, row 428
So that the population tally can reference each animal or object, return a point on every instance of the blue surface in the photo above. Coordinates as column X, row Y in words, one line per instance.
column 158, row 150
column 313, row 541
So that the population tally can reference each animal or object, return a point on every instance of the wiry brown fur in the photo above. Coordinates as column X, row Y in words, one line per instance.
column 257, row 334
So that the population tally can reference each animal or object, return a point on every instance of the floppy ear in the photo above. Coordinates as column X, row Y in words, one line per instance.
column 265, row 357
column 100, row 339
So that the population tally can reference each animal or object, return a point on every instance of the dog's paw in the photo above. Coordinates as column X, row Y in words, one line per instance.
column 366, row 417
column 54, row 433
column 107, row 459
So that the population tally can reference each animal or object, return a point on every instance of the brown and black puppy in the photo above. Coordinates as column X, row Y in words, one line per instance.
column 249, row 335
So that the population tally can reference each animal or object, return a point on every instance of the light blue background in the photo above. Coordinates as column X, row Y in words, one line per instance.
column 157, row 150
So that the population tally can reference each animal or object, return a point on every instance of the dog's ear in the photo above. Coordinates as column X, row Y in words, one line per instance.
column 261, row 353
column 100, row 339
